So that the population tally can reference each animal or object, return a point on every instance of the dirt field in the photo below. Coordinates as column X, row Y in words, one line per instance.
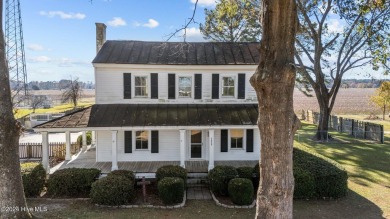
column 55, row 95
column 348, row 101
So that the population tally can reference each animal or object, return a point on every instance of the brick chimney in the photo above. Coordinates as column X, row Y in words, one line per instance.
column 100, row 35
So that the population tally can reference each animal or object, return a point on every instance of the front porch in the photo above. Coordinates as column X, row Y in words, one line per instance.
column 87, row 159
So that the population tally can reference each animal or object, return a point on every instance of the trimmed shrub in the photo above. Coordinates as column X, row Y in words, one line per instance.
column 171, row 190
column 113, row 190
column 304, row 183
column 219, row 178
column 89, row 138
column 125, row 173
column 71, row 182
column 330, row 178
column 241, row 191
column 171, row 171
column 245, row 172
column 256, row 176
column 34, row 178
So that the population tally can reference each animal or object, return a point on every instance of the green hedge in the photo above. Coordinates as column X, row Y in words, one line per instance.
column 89, row 138
column 34, row 178
column 171, row 171
column 256, row 176
column 125, row 173
column 241, row 191
column 245, row 172
column 71, row 182
column 219, row 178
column 330, row 178
column 304, row 184
column 171, row 190
column 113, row 190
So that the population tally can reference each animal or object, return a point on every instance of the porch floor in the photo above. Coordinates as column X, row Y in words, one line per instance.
column 87, row 159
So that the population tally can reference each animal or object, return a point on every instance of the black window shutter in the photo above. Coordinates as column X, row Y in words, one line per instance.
column 154, row 85
column 127, row 85
column 241, row 86
column 128, row 142
column 249, row 140
column 154, row 141
column 224, row 140
column 171, row 86
column 198, row 86
column 215, row 86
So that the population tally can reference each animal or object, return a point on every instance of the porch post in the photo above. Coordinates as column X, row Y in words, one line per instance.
column 84, row 140
column 45, row 151
column 114, row 159
column 182, row 147
column 211, row 149
column 93, row 138
column 68, row 155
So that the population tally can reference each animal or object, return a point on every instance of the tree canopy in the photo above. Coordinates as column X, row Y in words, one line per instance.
column 382, row 97
column 72, row 93
column 232, row 21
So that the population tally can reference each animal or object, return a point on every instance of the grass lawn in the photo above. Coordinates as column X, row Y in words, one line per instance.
column 368, row 168
column 56, row 109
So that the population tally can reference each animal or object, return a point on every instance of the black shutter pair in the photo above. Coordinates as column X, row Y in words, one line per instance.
column 129, row 142
column 215, row 86
column 224, row 140
column 172, row 86
column 127, row 85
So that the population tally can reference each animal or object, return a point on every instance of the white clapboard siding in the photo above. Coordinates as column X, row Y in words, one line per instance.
column 109, row 83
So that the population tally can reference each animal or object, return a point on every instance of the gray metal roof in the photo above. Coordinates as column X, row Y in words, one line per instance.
column 178, row 53
column 136, row 115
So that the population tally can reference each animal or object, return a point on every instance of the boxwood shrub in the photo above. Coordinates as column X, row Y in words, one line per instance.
column 88, row 134
column 256, row 176
column 245, row 172
column 330, row 178
column 304, row 184
column 113, row 190
column 241, row 191
column 34, row 178
column 125, row 173
column 71, row 182
column 171, row 190
column 171, row 171
column 219, row 178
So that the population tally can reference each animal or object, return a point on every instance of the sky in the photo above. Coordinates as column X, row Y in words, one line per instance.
column 59, row 35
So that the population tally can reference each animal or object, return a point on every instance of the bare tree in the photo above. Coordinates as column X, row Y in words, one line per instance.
column 37, row 101
column 12, row 200
column 273, row 82
column 72, row 93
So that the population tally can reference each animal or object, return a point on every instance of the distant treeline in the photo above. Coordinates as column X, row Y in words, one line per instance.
column 361, row 83
column 53, row 85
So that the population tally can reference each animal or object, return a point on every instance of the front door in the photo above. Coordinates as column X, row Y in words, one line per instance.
column 196, row 144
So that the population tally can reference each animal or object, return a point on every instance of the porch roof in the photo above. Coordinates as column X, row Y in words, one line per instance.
column 142, row 115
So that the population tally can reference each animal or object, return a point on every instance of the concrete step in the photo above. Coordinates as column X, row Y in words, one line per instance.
column 197, row 181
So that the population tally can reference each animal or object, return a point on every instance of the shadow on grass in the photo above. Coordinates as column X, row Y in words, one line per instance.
column 352, row 206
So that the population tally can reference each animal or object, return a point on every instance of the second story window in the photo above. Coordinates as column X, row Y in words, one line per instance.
column 185, row 87
column 140, row 86
column 228, row 86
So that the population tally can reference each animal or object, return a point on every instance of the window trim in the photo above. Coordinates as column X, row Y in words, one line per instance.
column 243, row 139
column 192, row 86
column 148, row 87
column 221, row 76
column 135, row 140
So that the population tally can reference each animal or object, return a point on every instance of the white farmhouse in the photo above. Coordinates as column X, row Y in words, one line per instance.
column 161, row 103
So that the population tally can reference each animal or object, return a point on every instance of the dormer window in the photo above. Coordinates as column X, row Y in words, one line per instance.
column 141, row 86
column 228, row 86
column 185, row 86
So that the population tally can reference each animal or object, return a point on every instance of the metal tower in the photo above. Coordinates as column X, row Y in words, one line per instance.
column 15, row 48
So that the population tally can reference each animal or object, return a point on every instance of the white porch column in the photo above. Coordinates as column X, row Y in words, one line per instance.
column 211, row 149
column 182, row 147
column 84, row 140
column 45, row 151
column 114, row 155
column 68, row 155
column 93, row 138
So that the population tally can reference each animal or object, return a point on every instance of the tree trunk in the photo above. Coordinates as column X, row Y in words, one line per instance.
column 323, row 124
column 384, row 111
column 12, row 200
column 273, row 82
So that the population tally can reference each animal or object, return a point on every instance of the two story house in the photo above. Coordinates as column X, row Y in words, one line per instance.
column 170, row 101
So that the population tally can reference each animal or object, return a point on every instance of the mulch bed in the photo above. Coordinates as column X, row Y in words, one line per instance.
column 226, row 199
column 151, row 195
